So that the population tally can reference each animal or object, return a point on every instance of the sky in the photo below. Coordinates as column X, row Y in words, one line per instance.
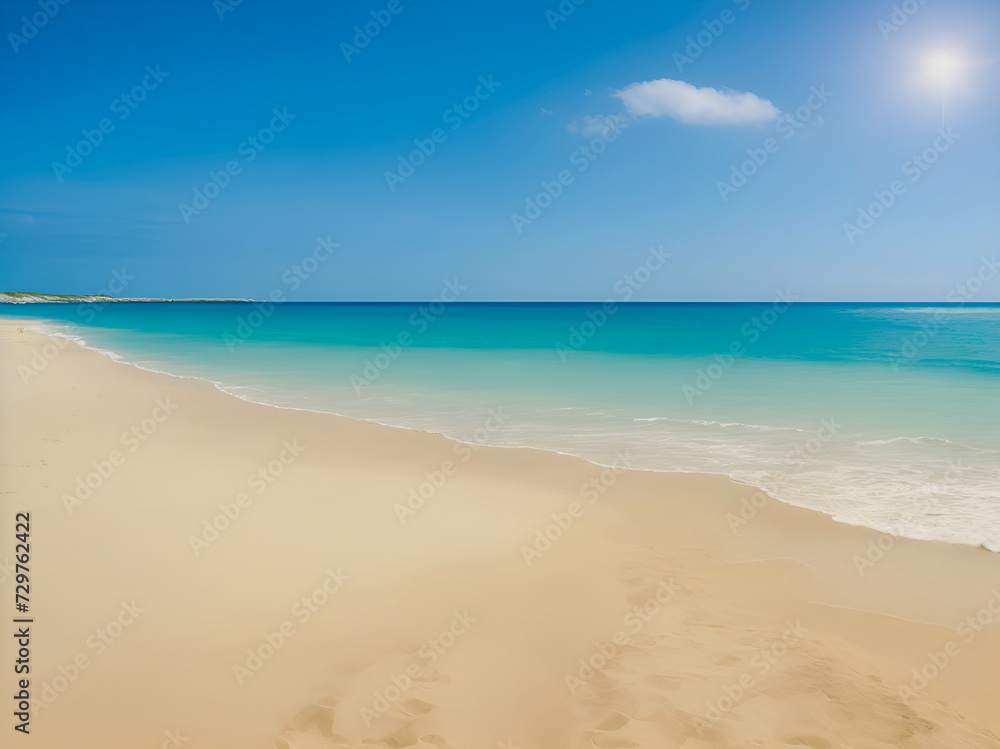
column 715, row 150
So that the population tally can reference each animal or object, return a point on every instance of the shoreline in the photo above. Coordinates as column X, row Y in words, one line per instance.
column 729, row 596
column 836, row 516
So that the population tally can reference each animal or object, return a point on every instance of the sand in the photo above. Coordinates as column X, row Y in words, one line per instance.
column 529, row 600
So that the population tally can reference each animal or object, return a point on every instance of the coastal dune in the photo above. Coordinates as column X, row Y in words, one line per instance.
column 216, row 574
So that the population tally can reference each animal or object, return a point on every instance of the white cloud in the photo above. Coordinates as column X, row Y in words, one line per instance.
column 596, row 125
column 695, row 106
column 545, row 111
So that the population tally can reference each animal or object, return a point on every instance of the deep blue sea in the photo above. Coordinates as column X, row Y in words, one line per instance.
column 880, row 415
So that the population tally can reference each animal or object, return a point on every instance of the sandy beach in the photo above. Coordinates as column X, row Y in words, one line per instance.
column 217, row 574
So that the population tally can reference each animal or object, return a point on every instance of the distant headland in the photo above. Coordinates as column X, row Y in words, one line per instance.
column 30, row 297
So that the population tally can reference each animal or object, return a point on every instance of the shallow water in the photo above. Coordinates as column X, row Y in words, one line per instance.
column 879, row 415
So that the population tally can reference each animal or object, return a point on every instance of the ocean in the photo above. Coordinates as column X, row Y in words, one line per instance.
column 881, row 415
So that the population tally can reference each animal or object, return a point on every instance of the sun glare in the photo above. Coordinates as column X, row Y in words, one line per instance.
column 943, row 67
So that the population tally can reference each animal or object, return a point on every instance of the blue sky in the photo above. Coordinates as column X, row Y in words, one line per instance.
column 536, row 116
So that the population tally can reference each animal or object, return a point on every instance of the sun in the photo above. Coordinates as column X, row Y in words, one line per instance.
column 943, row 67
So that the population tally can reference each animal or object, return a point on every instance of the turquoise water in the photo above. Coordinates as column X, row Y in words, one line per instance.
column 879, row 415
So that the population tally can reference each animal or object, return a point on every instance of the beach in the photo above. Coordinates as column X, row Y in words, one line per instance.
column 219, row 574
